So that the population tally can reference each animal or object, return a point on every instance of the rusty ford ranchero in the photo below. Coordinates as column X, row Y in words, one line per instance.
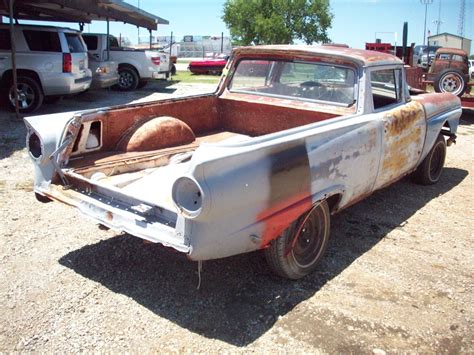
column 292, row 135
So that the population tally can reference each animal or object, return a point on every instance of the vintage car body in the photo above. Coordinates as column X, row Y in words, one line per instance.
column 251, row 166
column 449, row 72
column 209, row 65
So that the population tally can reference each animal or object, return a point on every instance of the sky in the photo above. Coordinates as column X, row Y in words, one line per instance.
column 355, row 21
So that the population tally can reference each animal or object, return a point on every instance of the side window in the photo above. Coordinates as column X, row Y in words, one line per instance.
column 458, row 58
column 444, row 56
column 42, row 41
column 91, row 42
column 5, row 43
column 113, row 42
column 386, row 87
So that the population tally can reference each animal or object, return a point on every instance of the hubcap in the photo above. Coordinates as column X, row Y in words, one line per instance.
column 309, row 242
column 451, row 83
column 25, row 93
column 125, row 80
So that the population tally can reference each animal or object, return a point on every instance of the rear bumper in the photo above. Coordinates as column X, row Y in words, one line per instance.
column 102, row 82
column 160, row 75
column 155, row 225
column 66, row 83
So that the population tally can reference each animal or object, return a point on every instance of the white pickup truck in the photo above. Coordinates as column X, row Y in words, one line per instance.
column 135, row 66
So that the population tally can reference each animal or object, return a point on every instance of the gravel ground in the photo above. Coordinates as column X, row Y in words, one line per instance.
column 398, row 275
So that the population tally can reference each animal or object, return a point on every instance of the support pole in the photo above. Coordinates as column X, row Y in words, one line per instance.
column 222, row 42
column 108, row 40
column 151, row 38
column 171, row 43
column 13, row 50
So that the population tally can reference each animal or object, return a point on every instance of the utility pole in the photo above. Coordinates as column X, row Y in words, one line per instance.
column 138, row 27
column 426, row 3
column 438, row 22
column 461, row 18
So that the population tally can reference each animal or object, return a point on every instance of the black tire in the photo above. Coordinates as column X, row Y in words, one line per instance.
column 430, row 169
column 450, row 80
column 294, row 259
column 128, row 79
column 142, row 84
column 173, row 69
column 30, row 94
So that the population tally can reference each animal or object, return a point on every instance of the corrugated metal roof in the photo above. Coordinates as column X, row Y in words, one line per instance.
column 83, row 11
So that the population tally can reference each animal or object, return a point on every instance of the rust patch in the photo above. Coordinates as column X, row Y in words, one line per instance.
column 263, row 116
column 400, row 119
column 109, row 216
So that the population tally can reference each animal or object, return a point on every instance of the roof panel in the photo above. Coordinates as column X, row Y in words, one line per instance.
column 82, row 11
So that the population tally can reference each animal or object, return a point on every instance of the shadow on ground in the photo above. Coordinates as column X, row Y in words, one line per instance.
column 239, row 298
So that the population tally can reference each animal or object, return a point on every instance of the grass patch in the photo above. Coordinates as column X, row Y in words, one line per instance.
column 188, row 77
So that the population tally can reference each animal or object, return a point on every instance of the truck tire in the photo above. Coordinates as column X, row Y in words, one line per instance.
column 30, row 95
column 128, row 79
column 450, row 80
column 430, row 169
column 298, row 250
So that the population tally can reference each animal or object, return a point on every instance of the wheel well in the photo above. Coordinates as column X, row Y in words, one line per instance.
column 8, row 76
column 128, row 66
column 333, row 202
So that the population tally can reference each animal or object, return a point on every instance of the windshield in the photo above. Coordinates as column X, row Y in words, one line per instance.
column 302, row 81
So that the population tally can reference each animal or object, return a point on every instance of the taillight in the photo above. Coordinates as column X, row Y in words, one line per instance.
column 67, row 63
column 156, row 60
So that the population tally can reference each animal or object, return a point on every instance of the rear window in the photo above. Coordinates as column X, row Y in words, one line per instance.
column 42, row 41
column 5, row 43
column 91, row 42
column 300, row 81
column 74, row 43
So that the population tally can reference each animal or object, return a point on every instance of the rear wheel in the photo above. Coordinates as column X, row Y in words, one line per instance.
column 450, row 80
column 297, row 252
column 128, row 79
column 30, row 95
column 430, row 169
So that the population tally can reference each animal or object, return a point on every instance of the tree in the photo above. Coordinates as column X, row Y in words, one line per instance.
column 277, row 21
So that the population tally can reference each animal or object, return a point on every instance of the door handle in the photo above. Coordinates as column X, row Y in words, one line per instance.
column 1, row 58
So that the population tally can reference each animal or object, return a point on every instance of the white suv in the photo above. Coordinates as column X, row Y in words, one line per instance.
column 51, row 62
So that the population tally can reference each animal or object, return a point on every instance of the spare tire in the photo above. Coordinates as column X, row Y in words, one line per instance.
column 156, row 133
column 450, row 80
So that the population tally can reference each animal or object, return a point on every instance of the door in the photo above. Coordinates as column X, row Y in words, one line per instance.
column 403, row 121
column 5, row 48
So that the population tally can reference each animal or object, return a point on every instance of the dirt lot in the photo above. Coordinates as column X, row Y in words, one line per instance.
column 398, row 275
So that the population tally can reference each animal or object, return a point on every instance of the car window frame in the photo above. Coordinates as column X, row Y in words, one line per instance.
column 294, row 98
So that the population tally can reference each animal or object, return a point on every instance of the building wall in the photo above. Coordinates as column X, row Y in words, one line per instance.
column 446, row 40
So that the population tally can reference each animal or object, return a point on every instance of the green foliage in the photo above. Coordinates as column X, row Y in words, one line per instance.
column 277, row 21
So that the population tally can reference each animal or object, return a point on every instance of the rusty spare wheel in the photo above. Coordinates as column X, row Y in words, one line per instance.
column 450, row 80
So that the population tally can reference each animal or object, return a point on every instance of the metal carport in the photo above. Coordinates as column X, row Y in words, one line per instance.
column 78, row 11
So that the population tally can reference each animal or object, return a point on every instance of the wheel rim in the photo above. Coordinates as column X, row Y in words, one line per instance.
column 126, row 80
column 26, row 95
column 436, row 162
column 309, row 242
column 451, row 83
